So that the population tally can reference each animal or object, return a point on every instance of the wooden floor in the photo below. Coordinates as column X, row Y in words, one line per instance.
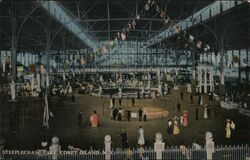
column 64, row 125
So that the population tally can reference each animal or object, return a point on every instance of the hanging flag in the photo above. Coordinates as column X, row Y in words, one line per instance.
column 133, row 24
column 123, row 36
column 191, row 38
column 138, row 17
column 177, row 29
column 208, row 47
column 152, row 3
column 198, row 44
column 166, row 20
column 158, row 9
column 82, row 61
column 128, row 27
column 77, row 55
column 146, row 7
column 149, row 2
column 118, row 35
column 112, row 44
column 162, row 15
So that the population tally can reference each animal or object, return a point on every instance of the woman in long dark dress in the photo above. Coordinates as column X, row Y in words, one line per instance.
column 170, row 126
column 120, row 114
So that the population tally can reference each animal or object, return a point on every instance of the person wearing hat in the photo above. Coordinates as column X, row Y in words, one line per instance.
column 205, row 112
column 196, row 112
column 176, row 128
column 141, row 140
column 80, row 118
column 94, row 120
column 185, row 118
column 191, row 98
column 124, row 138
column 140, row 112
column 182, row 94
column 178, row 108
column 228, row 129
column 170, row 126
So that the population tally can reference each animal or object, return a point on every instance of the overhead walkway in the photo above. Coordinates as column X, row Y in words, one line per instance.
column 205, row 14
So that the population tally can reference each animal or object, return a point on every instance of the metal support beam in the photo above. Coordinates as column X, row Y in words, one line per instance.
column 13, row 41
column 108, row 13
column 119, row 19
column 117, row 30
column 48, row 41
column 66, row 18
column 222, row 79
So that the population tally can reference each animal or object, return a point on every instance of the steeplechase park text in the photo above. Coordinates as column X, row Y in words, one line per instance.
column 28, row 152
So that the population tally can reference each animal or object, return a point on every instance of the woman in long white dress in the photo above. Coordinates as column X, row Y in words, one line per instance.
column 205, row 112
column 141, row 140
column 176, row 128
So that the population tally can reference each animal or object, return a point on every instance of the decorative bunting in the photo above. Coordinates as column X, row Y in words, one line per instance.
column 167, row 21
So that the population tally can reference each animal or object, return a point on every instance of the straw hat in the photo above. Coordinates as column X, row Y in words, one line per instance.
column 175, row 117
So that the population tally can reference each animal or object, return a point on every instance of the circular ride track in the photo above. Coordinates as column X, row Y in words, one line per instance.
column 154, row 108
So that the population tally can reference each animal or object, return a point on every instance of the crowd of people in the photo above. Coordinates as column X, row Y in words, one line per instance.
column 125, row 115
column 174, row 125
column 208, row 113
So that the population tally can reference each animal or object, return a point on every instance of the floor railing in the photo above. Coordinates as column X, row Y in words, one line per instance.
column 173, row 153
